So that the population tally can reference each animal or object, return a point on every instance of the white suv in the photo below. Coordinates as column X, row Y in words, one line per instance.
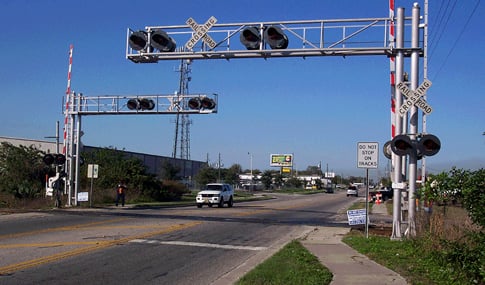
column 216, row 194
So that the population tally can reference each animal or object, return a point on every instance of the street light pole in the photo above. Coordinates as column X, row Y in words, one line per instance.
column 251, row 168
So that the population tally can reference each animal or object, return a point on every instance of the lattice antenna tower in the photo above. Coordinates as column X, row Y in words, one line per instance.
column 182, row 121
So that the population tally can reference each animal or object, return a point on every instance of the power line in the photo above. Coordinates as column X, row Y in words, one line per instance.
column 439, row 18
column 458, row 38
column 440, row 34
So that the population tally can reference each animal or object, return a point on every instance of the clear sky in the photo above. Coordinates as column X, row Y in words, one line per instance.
column 317, row 108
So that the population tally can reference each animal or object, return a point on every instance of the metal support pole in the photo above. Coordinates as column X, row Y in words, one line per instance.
column 367, row 203
column 57, row 143
column 77, row 164
column 425, row 76
column 392, row 69
column 69, row 150
column 411, row 229
column 396, row 214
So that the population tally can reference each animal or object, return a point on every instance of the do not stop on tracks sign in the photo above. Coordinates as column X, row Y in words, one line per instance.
column 367, row 155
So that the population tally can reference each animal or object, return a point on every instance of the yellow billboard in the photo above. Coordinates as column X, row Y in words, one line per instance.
column 281, row 160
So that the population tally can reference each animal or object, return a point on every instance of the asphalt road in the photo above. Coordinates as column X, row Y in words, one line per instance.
column 156, row 246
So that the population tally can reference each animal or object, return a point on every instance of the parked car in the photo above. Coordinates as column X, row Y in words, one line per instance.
column 353, row 191
column 215, row 194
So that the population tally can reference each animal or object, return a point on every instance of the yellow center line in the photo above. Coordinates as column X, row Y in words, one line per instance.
column 66, row 228
column 100, row 245
column 262, row 211
column 48, row 244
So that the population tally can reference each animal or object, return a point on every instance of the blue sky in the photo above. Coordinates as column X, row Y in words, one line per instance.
column 316, row 108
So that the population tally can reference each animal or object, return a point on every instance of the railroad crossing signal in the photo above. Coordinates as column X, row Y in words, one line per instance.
column 414, row 97
column 427, row 145
column 201, row 33
column 56, row 158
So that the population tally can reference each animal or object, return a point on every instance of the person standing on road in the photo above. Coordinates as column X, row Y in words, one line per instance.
column 120, row 193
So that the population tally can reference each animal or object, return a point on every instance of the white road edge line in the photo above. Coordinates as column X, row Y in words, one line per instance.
column 200, row 244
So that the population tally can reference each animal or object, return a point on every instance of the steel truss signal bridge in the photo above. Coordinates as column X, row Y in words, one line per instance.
column 143, row 104
column 340, row 37
column 80, row 105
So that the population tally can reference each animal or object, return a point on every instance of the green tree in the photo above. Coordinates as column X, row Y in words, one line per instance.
column 170, row 172
column 473, row 193
column 267, row 179
column 294, row 182
column 115, row 166
column 22, row 172
column 458, row 185
column 206, row 175
column 278, row 180
column 231, row 176
column 438, row 189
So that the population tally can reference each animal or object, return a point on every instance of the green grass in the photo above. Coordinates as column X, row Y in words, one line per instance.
column 293, row 264
column 409, row 258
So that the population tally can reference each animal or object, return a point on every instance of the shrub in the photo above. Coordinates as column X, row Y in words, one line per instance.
column 168, row 190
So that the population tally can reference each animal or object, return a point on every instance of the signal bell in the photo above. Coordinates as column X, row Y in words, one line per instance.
column 387, row 150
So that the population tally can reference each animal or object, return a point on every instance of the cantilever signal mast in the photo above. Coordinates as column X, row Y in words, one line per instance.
column 182, row 121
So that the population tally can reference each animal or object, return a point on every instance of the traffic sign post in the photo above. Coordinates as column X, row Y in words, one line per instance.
column 367, row 157
column 414, row 97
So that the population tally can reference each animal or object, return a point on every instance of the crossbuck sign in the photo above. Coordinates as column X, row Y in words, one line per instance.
column 414, row 97
column 201, row 33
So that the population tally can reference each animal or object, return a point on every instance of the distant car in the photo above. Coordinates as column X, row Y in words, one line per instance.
column 215, row 194
column 353, row 191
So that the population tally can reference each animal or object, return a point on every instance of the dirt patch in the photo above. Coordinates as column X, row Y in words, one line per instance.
column 377, row 230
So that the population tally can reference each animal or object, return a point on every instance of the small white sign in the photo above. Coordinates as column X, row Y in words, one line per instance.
column 356, row 217
column 329, row 174
column 367, row 155
column 93, row 170
column 83, row 196
column 399, row 185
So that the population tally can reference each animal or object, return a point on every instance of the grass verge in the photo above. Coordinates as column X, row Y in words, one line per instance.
column 293, row 264
column 409, row 258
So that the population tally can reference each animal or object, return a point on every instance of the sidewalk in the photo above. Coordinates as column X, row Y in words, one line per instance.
column 347, row 265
